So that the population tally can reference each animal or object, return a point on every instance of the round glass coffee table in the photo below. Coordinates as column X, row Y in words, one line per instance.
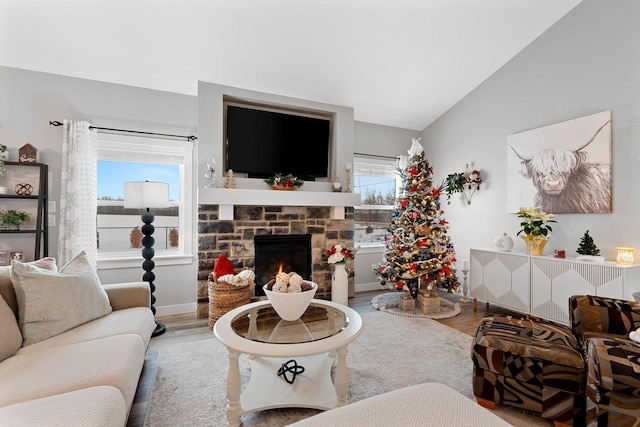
column 317, row 342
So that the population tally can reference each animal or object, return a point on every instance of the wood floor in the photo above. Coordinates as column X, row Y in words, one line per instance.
column 185, row 328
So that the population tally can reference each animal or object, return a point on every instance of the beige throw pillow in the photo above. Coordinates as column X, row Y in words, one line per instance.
column 51, row 302
column 6, row 287
column 10, row 336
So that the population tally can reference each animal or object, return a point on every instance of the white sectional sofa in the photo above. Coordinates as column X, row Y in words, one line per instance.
column 86, row 375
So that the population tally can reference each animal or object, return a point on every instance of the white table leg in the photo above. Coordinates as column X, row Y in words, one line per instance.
column 234, row 411
column 342, row 377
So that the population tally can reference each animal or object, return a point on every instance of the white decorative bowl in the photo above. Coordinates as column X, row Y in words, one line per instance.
column 290, row 306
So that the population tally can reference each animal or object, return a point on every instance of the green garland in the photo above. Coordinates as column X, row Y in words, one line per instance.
column 285, row 181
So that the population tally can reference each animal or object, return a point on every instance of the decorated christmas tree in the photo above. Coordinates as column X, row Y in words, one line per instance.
column 419, row 254
column 587, row 246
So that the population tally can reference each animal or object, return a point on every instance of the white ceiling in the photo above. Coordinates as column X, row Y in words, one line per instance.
column 399, row 63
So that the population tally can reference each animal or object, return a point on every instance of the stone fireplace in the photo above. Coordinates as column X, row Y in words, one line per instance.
column 235, row 239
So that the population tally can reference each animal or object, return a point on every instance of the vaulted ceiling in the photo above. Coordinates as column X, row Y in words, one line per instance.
column 399, row 63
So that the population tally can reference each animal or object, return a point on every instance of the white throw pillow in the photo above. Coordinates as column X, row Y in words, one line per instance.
column 51, row 302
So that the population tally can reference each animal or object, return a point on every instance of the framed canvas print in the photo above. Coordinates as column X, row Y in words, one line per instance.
column 4, row 258
column 562, row 168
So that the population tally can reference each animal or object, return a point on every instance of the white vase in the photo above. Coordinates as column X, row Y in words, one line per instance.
column 340, row 284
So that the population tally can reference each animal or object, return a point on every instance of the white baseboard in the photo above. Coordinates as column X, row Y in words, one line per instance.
column 170, row 310
column 371, row 286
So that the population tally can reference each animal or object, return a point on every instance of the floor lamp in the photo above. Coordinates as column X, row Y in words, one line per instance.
column 146, row 195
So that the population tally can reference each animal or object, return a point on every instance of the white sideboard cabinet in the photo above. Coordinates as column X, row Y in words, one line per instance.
column 541, row 285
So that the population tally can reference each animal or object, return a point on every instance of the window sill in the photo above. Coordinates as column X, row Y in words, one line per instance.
column 111, row 262
column 369, row 248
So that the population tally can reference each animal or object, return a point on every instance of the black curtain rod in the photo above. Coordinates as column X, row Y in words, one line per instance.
column 376, row 155
column 188, row 137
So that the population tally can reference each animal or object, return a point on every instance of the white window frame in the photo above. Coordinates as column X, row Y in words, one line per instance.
column 387, row 168
column 155, row 150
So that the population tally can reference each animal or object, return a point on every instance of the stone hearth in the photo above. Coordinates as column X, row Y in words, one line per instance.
column 234, row 239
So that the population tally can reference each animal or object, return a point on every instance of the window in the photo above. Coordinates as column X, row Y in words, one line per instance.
column 126, row 158
column 378, row 183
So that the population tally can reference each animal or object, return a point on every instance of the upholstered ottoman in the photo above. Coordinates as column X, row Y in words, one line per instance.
column 531, row 365
column 613, row 382
column 427, row 404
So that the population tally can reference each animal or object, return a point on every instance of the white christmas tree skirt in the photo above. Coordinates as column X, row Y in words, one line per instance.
column 389, row 302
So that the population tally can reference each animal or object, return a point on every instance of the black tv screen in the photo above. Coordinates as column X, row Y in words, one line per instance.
column 262, row 143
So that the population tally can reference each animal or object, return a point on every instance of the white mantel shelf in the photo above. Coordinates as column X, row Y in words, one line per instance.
column 227, row 198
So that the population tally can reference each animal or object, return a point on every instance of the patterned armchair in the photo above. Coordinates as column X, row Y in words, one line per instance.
column 588, row 374
column 602, row 327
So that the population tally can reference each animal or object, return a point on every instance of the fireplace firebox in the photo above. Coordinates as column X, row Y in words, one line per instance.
column 291, row 251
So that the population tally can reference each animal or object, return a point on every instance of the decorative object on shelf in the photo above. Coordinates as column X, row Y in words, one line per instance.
column 624, row 256
column 348, row 169
column 210, row 174
column 292, row 367
column 4, row 155
column 559, row 253
column 284, row 182
column 290, row 305
column 23, row 189
column 27, row 154
column 11, row 219
column 146, row 195
column 535, row 228
column 466, row 183
column 3, row 190
column 336, row 186
column 230, row 181
column 503, row 243
column 587, row 249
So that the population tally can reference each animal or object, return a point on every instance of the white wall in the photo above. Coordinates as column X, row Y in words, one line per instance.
column 587, row 62
column 31, row 99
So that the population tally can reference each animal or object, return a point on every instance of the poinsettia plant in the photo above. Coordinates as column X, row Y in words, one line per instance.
column 338, row 253
column 535, row 222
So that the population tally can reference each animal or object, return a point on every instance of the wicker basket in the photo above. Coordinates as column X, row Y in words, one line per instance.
column 224, row 297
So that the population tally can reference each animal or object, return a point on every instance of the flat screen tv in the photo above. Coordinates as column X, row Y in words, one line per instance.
column 262, row 143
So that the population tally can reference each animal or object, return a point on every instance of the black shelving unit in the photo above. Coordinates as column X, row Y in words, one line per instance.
column 41, row 235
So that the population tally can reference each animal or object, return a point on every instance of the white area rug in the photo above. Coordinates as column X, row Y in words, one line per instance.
column 388, row 302
column 392, row 352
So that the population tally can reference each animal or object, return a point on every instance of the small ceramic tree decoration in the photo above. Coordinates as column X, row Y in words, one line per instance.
column 229, row 181
column 587, row 246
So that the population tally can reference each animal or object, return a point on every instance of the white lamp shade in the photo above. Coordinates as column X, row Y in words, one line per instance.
column 146, row 194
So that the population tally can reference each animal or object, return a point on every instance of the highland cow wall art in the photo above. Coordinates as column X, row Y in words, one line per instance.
column 562, row 168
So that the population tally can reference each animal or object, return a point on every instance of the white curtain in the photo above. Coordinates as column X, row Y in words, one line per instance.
column 78, row 193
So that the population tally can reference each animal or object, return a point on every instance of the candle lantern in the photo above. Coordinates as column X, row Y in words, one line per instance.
column 625, row 256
